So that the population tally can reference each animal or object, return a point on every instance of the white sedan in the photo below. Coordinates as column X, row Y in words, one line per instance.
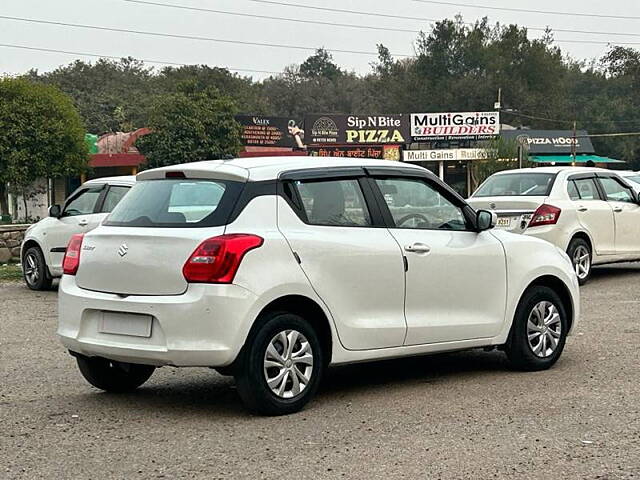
column 591, row 213
column 271, row 269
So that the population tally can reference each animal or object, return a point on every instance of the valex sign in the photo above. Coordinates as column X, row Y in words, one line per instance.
column 459, row 126
column 445, row 155
column 357, row 129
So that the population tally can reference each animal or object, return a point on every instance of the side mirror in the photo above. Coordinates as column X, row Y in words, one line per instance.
column 486, row 220
column 55, row 211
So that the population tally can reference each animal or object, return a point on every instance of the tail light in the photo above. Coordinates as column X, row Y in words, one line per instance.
column 216, row 260
column 545, row 215
column 72, row 255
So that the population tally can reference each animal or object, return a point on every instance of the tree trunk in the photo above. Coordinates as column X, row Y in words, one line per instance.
column 24, row 202
column 4, row 199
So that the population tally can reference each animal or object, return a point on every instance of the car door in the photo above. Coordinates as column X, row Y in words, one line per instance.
column 351, row 260
column 456, row 282
column 594, row 213
column 78, row 216
column 112, row 196
column 626, row 214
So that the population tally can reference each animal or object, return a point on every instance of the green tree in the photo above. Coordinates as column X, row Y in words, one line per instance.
column 191, row 125
column 41, row 135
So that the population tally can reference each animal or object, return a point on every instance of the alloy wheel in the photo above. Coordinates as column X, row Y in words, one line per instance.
column 581, row 261
column 544, row 329
column 288, row 364
column 31, row 271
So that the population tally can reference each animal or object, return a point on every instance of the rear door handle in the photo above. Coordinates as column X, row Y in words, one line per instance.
column 617, row 209
column 83, row 223
column 418, row 248
column 582, row 209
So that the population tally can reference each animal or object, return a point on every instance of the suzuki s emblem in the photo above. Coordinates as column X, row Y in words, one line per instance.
column 122, row 251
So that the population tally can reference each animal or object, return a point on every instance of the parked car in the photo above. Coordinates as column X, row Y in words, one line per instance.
column 45, row 242
column 632, row 177
column 591, row 213
column 271, row 269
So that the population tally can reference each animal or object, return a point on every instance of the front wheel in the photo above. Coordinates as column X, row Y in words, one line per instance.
column 281, row 366
column 539, row 330
column 579, row 252
column 112, row 376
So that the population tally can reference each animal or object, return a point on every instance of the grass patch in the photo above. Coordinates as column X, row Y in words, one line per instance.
column 10, row 273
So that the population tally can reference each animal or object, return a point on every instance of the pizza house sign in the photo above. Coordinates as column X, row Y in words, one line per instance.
column 454, row 126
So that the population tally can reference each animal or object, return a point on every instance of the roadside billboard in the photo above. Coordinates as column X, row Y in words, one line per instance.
column 357, row 129
column 559, row 142
column 382, row 152
column 265, row 131
column 427, row 127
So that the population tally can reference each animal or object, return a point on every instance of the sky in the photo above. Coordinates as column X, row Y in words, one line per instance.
column 259, row 61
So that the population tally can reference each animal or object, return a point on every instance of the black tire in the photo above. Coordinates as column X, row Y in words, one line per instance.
column 115, row 377
column 576, row 246
column 519, row 349
column 250, row 373
column 34, row 270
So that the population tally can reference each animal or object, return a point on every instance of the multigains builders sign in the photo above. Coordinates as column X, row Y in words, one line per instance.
column 460, row 126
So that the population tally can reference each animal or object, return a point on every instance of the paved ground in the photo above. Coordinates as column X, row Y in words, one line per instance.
column 462, row 415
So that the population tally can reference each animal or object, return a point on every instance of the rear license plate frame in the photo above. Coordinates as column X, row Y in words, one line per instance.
column 125, row 323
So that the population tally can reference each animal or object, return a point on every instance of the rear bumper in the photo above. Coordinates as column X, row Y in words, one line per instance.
column 551, row 233
column 205, row 326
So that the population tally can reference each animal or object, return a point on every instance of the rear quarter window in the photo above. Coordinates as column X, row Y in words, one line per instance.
column 176, row 203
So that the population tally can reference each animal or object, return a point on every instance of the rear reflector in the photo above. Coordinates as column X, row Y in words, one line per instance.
column 545, row 215
column 216, row 260
column 72, row 255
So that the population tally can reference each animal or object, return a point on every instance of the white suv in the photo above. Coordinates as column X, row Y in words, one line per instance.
column 45, row 242
column 591, row 213
column 271, row 269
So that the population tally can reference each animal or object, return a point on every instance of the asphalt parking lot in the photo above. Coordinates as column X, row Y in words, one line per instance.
column 458, row 415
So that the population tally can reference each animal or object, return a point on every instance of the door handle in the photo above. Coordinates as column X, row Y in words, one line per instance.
column 83, row 223
column 418, row 248
column 617, row 209
column 582, row 209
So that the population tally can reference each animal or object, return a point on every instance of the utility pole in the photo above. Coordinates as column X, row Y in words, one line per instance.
column 573, row 145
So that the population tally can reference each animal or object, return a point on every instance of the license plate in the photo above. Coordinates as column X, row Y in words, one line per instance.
column 132, row 324
column 503, row 222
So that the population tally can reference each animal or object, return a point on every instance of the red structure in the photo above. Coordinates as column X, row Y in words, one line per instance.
column 117, row 154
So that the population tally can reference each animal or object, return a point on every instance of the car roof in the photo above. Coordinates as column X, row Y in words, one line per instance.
column 554, row 170
column 265, row 168
column 121, row 180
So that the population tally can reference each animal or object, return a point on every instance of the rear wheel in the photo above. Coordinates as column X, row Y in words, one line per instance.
column 34, row 270
column 281, row 366
column 111, row 376
column 539, row 330
column 579, row 252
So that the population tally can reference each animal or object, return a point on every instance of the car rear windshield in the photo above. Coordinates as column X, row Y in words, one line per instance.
column 516, row 184
column 176, row 203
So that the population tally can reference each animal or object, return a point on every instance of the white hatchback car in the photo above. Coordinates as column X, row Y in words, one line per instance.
column 45, row 242
column 591, row 213
column 271, row 269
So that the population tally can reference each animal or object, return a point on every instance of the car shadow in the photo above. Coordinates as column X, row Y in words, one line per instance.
column 613, row 271
column 210, row 393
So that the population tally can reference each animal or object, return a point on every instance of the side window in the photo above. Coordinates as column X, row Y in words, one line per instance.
column 587, row 189
column 572, row 190
column 113, row 197
column 334, row 202
column 414, row 203
column 84, row 203
column 615, row 191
